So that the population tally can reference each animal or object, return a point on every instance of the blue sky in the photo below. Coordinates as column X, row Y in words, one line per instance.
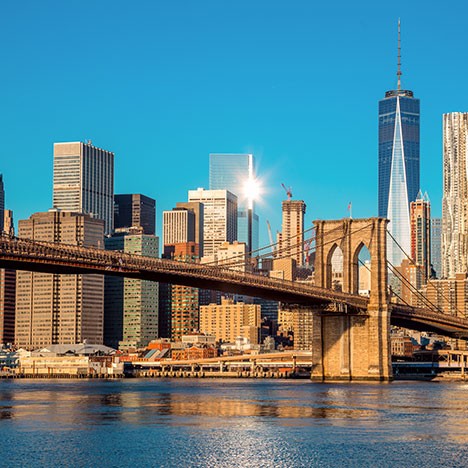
column 165, row 83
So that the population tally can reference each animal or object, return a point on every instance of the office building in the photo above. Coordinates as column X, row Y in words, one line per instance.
column 219, row 217
column 291, row 238
column 229, row 320
column 7, row 278
column 2, row 202
column 436, row 246
column 135, row 210
column 53, row 308
column 7, row 305
column 421, row 237
column 183, row 299
column 232, row 172
column 178, row 226
column 455, row 195
column 197, row 209
column 84, row 181
column 398, row 163
column 131, row 308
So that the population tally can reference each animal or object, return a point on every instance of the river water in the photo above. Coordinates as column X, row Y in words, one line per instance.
column 232, row 423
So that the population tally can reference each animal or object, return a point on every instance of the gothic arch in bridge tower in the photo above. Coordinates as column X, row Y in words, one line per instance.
column 351, row 235
column 350, row 344
column 334, row 279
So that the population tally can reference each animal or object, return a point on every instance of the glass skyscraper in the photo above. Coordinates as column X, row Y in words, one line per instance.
column 398, row 165
column 231, row 172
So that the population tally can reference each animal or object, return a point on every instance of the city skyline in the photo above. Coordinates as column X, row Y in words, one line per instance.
column 269, row 107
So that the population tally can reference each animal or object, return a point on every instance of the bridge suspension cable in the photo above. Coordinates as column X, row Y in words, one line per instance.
column 421, row 271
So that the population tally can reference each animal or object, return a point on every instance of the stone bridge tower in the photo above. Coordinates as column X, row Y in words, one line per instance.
column 347, row 344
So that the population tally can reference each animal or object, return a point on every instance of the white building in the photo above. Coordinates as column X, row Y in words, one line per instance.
column 220, row 217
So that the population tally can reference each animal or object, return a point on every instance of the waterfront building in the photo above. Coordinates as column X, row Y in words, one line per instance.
column 455, row 195
column 219, row 217
column 84, row 181
column 229, row 320
column 232, row 172
column 7, row 305
column 135, row 210
column 2, row 202
column 436, row 246
column 291, row 238
column 7, row 278
column 399, row 117
column 421, row 236
column 183, row 301
column 53, row 308
column 132, row 305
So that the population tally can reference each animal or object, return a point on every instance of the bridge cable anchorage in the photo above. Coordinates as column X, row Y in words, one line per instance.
column 420, row 269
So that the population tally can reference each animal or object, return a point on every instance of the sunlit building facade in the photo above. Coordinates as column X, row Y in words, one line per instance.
column 53, row 308
column 455, row 195
column 84, row 181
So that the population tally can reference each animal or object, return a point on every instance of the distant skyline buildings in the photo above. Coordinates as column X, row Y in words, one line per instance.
column 232, row 171
column 84, row 181
column 455, row 195
column 135, row 209
column 399, row 165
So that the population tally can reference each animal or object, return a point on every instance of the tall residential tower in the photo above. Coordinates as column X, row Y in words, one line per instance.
column 398, row 163
column 455, row 195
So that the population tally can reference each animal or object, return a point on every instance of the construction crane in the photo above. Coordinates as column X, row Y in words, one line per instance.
column 288, row 191
column 271, row 237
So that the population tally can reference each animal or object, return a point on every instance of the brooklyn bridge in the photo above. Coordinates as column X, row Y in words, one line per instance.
column 351, row 333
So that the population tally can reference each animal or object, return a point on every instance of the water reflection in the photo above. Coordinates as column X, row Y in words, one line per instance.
column 208, row 420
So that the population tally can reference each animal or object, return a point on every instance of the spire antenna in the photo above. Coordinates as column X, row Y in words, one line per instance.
column 399, row 57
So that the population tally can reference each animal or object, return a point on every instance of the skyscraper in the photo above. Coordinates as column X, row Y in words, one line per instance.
column 291, row 238
column 398, row 162
column 134, row 209
column 219, row 217
column 455, row 195
column 178, row 226
column 231, row 172
column 2, row 203
column 53, row 308
column 436, row 246
column 421, row 237
column 84, row 181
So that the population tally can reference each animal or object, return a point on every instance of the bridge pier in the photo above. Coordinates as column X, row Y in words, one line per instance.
column 352, row 345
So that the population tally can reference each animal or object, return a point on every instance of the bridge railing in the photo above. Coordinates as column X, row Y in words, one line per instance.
column 122, row 260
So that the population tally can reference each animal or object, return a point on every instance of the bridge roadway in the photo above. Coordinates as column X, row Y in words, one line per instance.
column 50, row 257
